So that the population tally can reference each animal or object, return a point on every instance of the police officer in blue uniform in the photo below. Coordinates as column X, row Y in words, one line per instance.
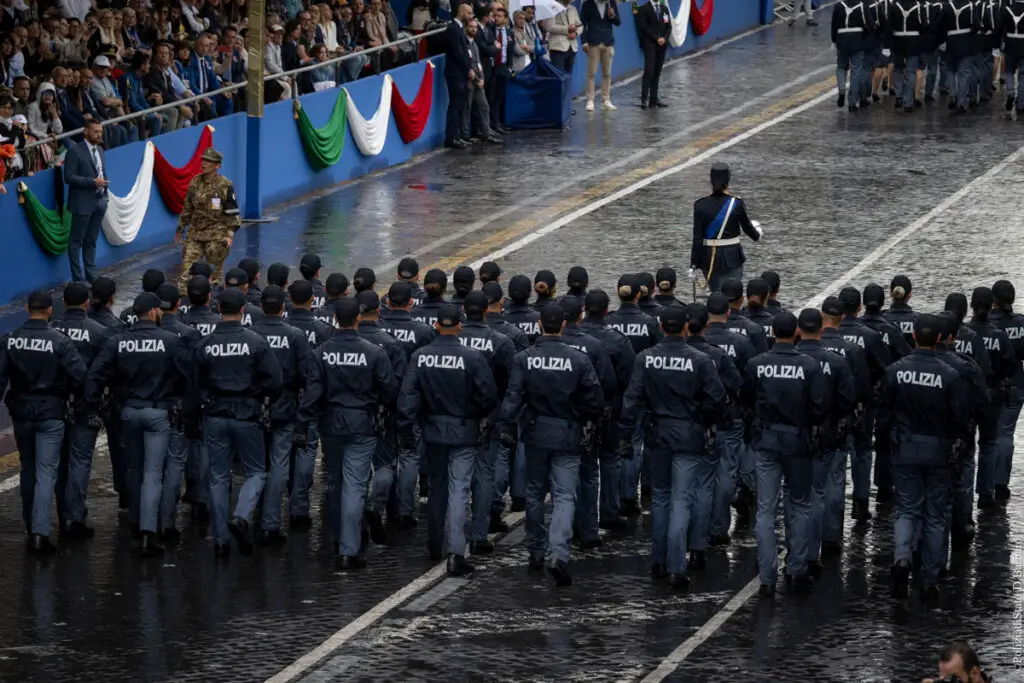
column 355, row 379
column 463, row 280
column 756, row 309
column 967, row 340
column 1003, row 317
column 200, row 315
column 773, row 305
column 923, row 409
column 449, row 391
column 577, row 281
column 399, row 323
column 907, row 24
column 730, row 446
column 496, row 321
column 587, row 499
column 622, row 356
column 434, row 285
column 234, row 369
column 850, row 24
column 335, row 287
column 409, row 272
column 100, row 310
column 545, row 284
column 82, row 429
column 152, row 365
column 706, row 482
column 1011, row 35
column 198, row 268
column 873, row 317
column 309, row 268
column 738, row 322
column 500, row 353
column 284, row 431
column 1004, row 363
column 665, row 279
column 718, row 220
column 236, row 278
column 828, row 490
column 676, row 388
column 961, row 528
column 557, row 390
column 790, row 398
column 151, row 280
column 899, row 312
column 519, row 311
column 253, row 291
column 646, row 302
column 43, row 367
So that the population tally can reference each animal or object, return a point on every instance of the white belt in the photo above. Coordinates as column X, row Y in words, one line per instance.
column 1015, row 35
column 850, row 30
column 904, row 34
column 729, row 241
column 959, row 32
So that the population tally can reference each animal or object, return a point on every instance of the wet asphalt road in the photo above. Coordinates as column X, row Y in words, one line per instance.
column 829, row 189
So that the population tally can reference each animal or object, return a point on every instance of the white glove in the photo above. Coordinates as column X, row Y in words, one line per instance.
column 996, row 52
column 886, row 53
column 692, row 274
column 942, row 48
column 758, row 228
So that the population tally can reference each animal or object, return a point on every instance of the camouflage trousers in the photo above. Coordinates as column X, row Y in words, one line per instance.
column 215, row 253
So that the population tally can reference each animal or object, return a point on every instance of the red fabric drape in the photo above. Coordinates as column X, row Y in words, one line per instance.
column 412, row 118
column 173, row 182
column 700, row 17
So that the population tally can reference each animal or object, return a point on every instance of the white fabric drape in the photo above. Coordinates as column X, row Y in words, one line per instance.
column 370, row 134
column 680, row 22
column 124, row 215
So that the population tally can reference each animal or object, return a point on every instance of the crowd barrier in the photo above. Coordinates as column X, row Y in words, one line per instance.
column 283, row 171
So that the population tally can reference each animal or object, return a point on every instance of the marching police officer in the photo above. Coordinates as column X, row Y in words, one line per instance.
column 100, row 310
column 900, row 313
column 236, row 369
column 43, row 367
column 519, row 312
column 335, row 288
column 151, row 279
column 577, row 281
column 557, row 390
column 773, row 305
column 363, row 280
column 790, row 398
column 489, row 272
column 434, row 284
column 277, row 275
column 958, row 23
column 718, row 220
column 756, row 309
column 906, row 22
column 665, row 279
column 678, row 389
column 284, row 431
column 496, row 321
column 646, row 302
column 1003, row 317
column 738, row 322
column 170, row 315
column 923, row 409
column 463, row 280
column 967, row 340
column 239, row 279
column 103, row 290
column 211, row 214
column 500, row 353
column 253, row 291
column 409, row 271
column 309, row 268
column 698, row 540
column 544, row 284
column 622, row 356
column 199, row 268
column 449, row 391
column 892, row 336
column 828, row 482
column 81, row 431
column 355, row 379
column 152, row 366
column 849, row 24
column 734, row 456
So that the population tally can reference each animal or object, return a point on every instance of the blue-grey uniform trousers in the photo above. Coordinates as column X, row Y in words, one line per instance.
column 146, row 433
column 279, row 454
column 860, row 467
column 408, row 470
column 303, row 467
column 988, row 438
column 39, row 450
column 782, row 454
column 852, row 62
column 962, row 513
column 559, row 471
column 174, row 468
column 676, row 476
column 483, row 487
column 924, row 490
column 1005, row 428
column 224, row 438
column 629, row 476
column 451, row 475
column 80, row 441
column 906, row 78
column 729, row 449
column 1010, row 65
column 349, row 459
column 828, row 499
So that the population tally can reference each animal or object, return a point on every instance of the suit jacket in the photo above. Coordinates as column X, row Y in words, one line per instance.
column 505, row 69
column 80, row 174
column 456, row 63
column 650, row 27
column 485, row 38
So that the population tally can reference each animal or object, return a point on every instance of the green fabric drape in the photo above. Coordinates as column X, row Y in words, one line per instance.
column 52, row 229
column 324, row 145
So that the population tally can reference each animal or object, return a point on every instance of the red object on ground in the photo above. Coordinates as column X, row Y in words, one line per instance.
column 173, row 182
column 700, row 17
column 412, row 118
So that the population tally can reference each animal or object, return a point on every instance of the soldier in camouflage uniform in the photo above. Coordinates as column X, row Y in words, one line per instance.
column 211, row 213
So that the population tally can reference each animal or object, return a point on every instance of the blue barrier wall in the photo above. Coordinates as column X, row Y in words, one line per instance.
column 284, row 172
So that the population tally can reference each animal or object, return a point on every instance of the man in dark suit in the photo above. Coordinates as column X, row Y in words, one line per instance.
column 502, row 72
column 654, row 22
column 457, row 74
column 85, row 172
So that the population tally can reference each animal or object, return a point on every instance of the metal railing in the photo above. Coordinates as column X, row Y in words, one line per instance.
column 237, row 86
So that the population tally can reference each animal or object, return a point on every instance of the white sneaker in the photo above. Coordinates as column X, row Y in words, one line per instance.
column 590, row 105
column 608, row 106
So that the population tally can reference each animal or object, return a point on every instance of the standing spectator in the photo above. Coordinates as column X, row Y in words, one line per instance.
column 477, row 113
column 600, row 17
column 75, row 9
column 22, row 90
column 130, row 37
column 503, row 57
column 420, row 13
column 85, row 172
column 135, row 96
column 523, row 43
column 458, row 74
column 534, row 32
column 194, row 24
column 654, row 22
column 17, row 63
column 273, row 63
column 160, row 28
column 486, row 44
column 43, row 114
column 563, row 40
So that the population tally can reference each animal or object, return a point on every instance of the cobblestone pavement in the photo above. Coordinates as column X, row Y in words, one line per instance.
column 830, row 189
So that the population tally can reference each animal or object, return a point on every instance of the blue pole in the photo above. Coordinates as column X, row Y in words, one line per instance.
column 253, row 208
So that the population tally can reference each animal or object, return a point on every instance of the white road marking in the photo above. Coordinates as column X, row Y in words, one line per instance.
column 10, row 483
column 686, row 648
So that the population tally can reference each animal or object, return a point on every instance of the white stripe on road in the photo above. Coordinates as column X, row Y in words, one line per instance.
column 677, row 656
column 10, row 483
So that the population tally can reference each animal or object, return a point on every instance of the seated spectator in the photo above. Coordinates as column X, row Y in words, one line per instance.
column 293, row 55
column 40, row 55
column 322, row 78
column 236, row 13
column 14, row 135
column 6, row 53
column 376, row 26
column 106, row 36
column 43, row 114
column 19, row 36
column 130, row 37
column 163, row 81
column 21, row 91
column 194, row 23
column 420, row 12
column 159, row 28
column 74, row 9
column 210, row 15
column 273, row 63
column 133, row 86
column 204, row 77
column 90, row 109
column 232, row 60
column 357, row 23
column 71, row 43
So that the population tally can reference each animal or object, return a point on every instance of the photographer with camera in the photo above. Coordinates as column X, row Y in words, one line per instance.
column 958, row 663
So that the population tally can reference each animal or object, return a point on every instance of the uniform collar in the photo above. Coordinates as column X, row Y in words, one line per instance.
column 697, row 340
column 346, row 334
column 32, row 324
column 399, row 315
column 272, row 320
column 829, row 332
column 74, row 314
column 369, row 325
column 547, row 340
column 445, row 340
column 808, row 344
column 143, row 323
column 473, row 323
column 784, row 348
column 627, row 306
column 301, row 313
column 229, row 325
column 670, row 339
column 927, row 353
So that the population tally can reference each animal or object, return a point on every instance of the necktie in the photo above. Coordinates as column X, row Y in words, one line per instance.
column 99, row 169
column 501, row 48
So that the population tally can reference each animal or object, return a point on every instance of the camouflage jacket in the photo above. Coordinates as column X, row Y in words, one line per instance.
column 211, row 209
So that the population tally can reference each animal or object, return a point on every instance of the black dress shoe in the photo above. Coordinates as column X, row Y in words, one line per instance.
column 458, row 566
column 78, row 531
column 831, row 549
column 239, row 529
column 493, row 139
column 717, row 540
column 375, row 524
column 659, row 103
column 802, row 583
column 199, row 513
column 483, row 547
column 300, row 522
column 497, row 526
column 593, row 544
column 1002, row 492
column 456, row 144
column 841, row 100
column 560, row 573
column 536, row 564
column 122, row 501
column 643, row 104
column 348, row 563
column 698, row 560
column 814, row 568
column 678, row 580
column 149, row 546
column 272, row 537
column 630, row 507
column 170, row 536
column 658, row 571
column 407, row 522
column 222, row 550
column 41, row 545
column 860, row 511
column 518, row 505
column 424, row 489
column 900, row 579
column 930, row 593
column 766, row 591
column 986, row 502
column 614, row 524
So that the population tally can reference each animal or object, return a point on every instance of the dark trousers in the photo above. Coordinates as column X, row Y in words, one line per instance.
column 458, row 101
column 654, row 59
column 496, row 96
column 566, row 60
column 85, row 230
